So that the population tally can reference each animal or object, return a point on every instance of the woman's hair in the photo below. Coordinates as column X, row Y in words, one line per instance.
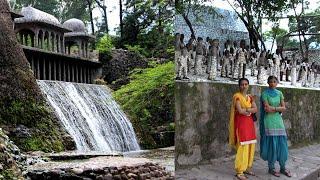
column 243, row 79
column 272, row 78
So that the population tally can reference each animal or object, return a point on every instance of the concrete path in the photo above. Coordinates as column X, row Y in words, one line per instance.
column 304, row 163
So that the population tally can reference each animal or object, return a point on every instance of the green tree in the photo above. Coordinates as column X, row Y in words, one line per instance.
column 251, row 13
column 149, row 25
column 48, row 6
column 74, row 9
column 305, row 26
column 275, row 34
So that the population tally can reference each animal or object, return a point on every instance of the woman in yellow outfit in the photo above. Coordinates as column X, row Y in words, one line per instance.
column 242, row 134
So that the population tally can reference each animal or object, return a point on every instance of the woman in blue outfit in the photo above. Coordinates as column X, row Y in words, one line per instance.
column 273, row 143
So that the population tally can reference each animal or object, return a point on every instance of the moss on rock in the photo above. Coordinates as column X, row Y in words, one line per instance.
column 45, row 132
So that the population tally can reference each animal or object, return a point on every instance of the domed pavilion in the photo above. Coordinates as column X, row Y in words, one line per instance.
column 77, row 37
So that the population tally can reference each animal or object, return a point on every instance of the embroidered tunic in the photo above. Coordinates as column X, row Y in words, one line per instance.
column 273, row 122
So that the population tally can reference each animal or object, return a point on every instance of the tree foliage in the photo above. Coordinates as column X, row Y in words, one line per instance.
column 105, row 44
column 49, row 6
column 251, row 13
column 149, row 99
column 186, row 7
column 148, row 24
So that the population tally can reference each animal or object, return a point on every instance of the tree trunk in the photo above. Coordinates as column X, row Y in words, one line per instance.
column 91, row 16
column 16, row 77
column 186, row 19
column 106, row 19
column 105, row 16
column 121, row 22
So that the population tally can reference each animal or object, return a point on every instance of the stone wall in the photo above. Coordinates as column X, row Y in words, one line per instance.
column 202, row 117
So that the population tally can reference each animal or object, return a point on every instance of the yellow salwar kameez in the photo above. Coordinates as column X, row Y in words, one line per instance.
column 242, row 134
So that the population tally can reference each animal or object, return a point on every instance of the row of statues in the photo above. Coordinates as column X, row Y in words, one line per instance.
column 205, row 59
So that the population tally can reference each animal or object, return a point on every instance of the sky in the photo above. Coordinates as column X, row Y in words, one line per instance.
column 266, row 25
column 113, row 11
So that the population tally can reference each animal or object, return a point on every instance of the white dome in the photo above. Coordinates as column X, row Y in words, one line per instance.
column 35, row 15
column 76, row 25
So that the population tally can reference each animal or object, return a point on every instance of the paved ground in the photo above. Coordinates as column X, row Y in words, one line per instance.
column 304, row 163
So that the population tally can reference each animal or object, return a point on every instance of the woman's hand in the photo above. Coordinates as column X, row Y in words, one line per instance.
column 268, row 108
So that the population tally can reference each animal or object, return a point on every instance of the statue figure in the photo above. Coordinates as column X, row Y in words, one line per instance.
column 193, row 42
column 206, row 59
column 276, row 65
column 183, row 64
column 304, row 73
column 214, row 52
column 253, row 62
column 288, row 68
column 312, row 74
column 282, row 68
column 177, row 51
column 241, row 59
column 227, row 45
column 190, row 59
column 200, row 52
column 225, row 64
column 262, row 65
column 231, row 61
column 294, row 70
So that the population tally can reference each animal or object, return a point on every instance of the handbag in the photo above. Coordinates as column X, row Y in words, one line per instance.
column 254, row 117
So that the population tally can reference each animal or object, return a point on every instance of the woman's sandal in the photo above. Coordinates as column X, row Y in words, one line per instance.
column 249, row 173
column 275, row 173
column 241, row 177
column 286, row 172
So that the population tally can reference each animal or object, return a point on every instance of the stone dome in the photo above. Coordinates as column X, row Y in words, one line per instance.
column 31, row 14
column 76, row 25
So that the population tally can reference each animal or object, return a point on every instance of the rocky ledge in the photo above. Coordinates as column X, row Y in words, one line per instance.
column 100, row 168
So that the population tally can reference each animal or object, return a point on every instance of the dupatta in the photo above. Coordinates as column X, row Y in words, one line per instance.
column 232, row 128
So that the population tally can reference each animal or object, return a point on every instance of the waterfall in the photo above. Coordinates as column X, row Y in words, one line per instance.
column 91, row 116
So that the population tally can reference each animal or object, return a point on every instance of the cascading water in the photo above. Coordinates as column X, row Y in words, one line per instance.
column 91, row 116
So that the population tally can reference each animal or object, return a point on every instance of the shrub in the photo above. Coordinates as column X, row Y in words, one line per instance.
column 105, row 44
column 149, row 100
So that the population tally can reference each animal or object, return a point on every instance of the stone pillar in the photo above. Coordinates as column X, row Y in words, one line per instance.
column 87, row 50
column 32, row 40
column 69, row 49
column 83, row 50
column 21, row 38
column 80, row 69
column 36, row 39
column 90, row 76
column 58, row 43
column 49, row 70
column 63, row 45
column 25, row 39
column 38, row 68
column 48, row 41
column 64, row 75
column 59, row 70
column 54, row 70
column 44, row 75
column 79, row 48
column 53, row 42
column 67, row 72
column 32, row 64
column 71, row 73
column 42, row 40
column 84, row 75
column 75, row 73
